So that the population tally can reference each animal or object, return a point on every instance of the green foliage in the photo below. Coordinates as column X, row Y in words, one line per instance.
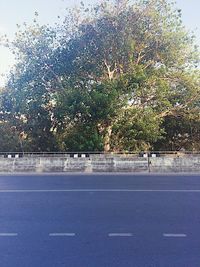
column 136, row 130
column 28, row 96
column 180, row 133
column 110, row 77
column 81, row 138
column 9, row 139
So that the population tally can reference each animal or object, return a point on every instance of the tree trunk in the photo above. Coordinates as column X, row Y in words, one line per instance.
column 107, row 138
column 109, row 72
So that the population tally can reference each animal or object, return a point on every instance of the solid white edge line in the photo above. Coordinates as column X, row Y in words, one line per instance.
column 174, row 235
column 8, row 234
column 97, row 190
column 120, row 234
column 62, row 234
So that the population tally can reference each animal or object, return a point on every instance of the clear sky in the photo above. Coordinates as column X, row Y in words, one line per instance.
column 18, row 11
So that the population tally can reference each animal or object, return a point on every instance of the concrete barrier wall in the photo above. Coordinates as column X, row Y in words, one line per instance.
column 102, row 163
column 184, row 163
column 94, row 163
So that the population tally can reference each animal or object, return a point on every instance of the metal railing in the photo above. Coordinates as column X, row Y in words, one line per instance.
column 79, row 154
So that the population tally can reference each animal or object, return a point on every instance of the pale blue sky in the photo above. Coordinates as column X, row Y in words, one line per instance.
column 18, row 11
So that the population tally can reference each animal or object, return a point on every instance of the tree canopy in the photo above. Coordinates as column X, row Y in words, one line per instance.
column 118, row 76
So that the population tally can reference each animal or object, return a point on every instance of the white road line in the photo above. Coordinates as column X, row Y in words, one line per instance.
column 8, row 234
column 174, row 235
column 120, row 234
column 97, row 190
column 62, row 234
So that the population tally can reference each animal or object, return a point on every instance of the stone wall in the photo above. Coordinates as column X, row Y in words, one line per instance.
column 93, row 163
column 101, row 163
column 182, row 163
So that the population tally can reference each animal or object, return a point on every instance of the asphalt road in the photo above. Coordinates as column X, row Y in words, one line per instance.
column 99, row 221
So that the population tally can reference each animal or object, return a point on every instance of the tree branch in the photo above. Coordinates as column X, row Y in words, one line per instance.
column 110, row 73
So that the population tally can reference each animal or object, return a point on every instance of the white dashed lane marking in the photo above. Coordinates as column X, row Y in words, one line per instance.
column 8, row 234
column 120, row 234
column 174, row 235
column 167, row 235
column 62, row 234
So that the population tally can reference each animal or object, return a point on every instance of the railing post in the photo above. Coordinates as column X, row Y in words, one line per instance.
column 149, row 162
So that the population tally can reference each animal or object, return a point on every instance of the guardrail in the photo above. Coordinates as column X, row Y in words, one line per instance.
column 78, row 154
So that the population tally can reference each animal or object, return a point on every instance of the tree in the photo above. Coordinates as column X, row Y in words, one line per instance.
column 110, row 77
column 10, row 138
column 142, row 56
column 28, row 95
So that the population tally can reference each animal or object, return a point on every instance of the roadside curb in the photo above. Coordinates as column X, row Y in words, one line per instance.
column 98, row 174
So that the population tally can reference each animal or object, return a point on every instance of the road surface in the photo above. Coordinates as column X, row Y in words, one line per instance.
column 99, row 221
